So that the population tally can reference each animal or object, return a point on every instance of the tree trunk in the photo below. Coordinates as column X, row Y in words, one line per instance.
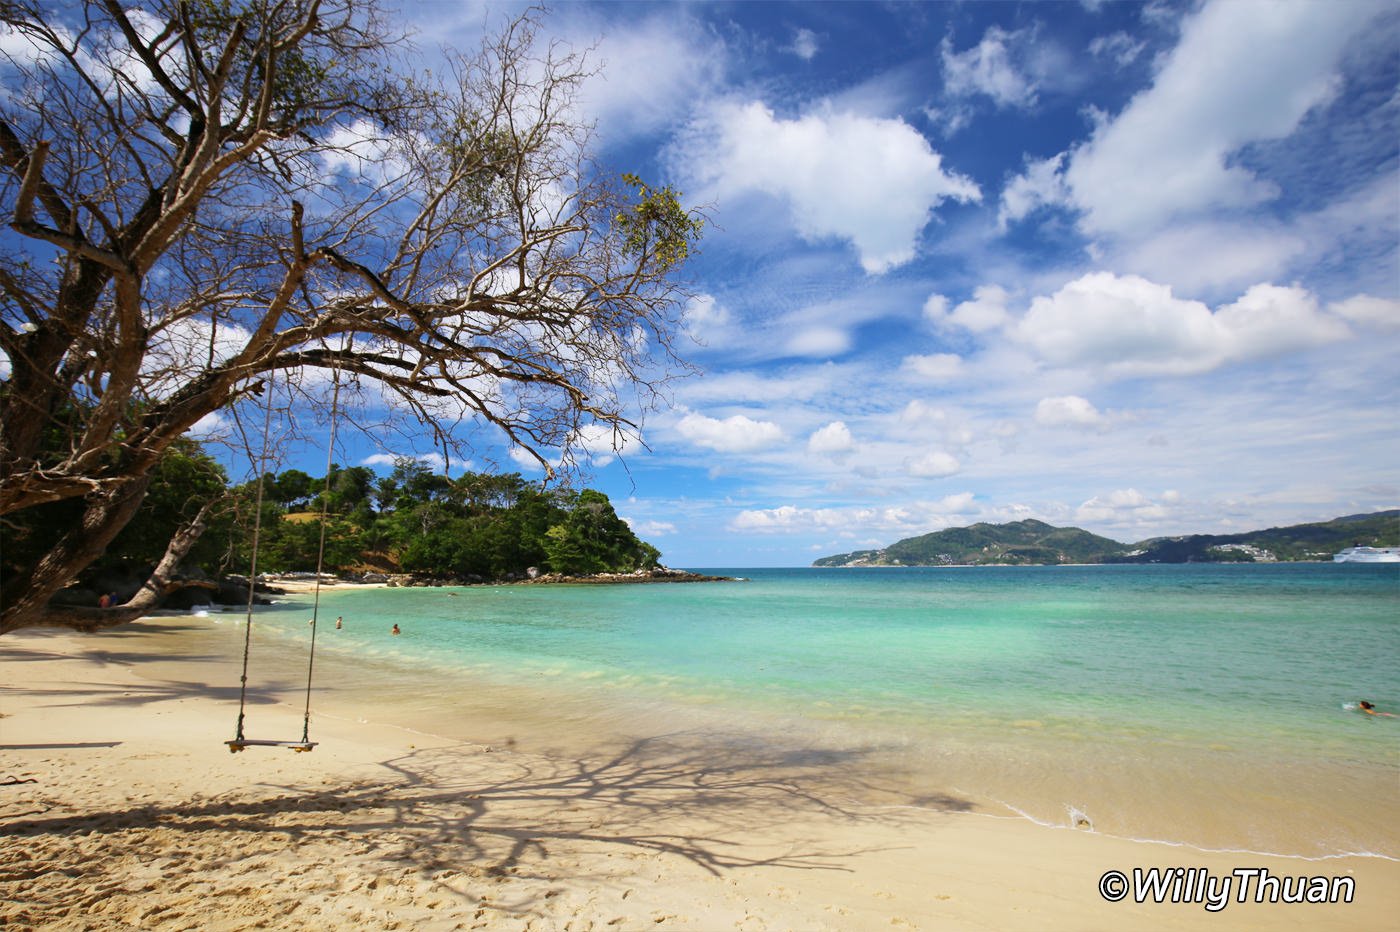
column 102, row 522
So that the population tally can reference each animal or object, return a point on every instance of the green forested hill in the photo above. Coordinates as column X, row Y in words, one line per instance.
column 1025, row 542
column 1298, row 542
column 1017, row 542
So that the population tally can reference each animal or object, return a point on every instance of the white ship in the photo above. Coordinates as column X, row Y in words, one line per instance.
column 1368, row 555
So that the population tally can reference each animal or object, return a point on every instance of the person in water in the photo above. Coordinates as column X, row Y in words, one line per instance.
column 1370, row 709
column 339, row 619
column 395, row 630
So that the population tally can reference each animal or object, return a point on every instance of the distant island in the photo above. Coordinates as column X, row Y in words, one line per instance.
column 1025, row 543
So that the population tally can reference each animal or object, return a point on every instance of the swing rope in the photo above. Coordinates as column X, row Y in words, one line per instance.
column 306, row 744
column 320, row 554
column 253, row 566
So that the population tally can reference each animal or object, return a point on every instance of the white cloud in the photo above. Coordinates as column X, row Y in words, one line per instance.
column 1041, row 185
column 1069, row 411
column 1379, row 313
column 873, row 182
column 833, row 438
column 935, row 367
column 936, row 307
column 1122, row 48
column 1123, row 506
column 915, row 516
column 986, row 311
column 1205, row 255
column 1268, row 320
column 819, row 341
column 645, row 529
column 708, row 322
column 361, row 150
column 736, row 434
column 601, row 442
column 526, row 460
column 1242, row 72
column 1126, row 325
column 921, row 412
column 390, row 460
column 805, row 45
column 210, row 426
column 799, row 383
column 786, row 518
column 652, row 73
column 182, row 347
column 935, row 465
column 988, row 69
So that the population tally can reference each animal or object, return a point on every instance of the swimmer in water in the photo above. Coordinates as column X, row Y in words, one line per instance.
column 1370, row 709
column 395, row 630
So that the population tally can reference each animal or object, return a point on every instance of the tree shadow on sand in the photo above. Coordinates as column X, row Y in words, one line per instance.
column 449, row 814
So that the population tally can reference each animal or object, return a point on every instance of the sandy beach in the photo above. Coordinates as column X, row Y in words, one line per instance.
column 122, row 809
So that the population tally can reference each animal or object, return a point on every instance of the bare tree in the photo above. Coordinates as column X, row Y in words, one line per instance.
column 212, row 194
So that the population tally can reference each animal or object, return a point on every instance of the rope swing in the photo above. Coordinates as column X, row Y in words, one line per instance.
column 239, row 741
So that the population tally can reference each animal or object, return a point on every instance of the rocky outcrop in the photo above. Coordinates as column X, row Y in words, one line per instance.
column 537, row 578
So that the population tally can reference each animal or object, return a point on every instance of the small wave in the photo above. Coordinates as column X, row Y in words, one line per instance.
column 1076, row 813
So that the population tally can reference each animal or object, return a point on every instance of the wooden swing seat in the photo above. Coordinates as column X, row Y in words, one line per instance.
column 241, row 743
column 238, row 744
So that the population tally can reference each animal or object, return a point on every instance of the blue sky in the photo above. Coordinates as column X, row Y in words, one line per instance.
column 1126, row 266
column 1133, row 267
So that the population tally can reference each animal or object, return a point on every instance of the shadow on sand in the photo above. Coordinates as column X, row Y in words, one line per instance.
column 464, row 816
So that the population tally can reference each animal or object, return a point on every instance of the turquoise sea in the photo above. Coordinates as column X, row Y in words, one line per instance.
column 1211, row 705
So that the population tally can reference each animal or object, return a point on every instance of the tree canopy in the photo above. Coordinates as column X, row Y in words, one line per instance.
column 475, row 527
column 211, row 200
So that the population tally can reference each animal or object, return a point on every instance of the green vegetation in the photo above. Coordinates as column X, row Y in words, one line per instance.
column 182, row 481
column 1035, row 542
column 474, row 527
column 469, row 528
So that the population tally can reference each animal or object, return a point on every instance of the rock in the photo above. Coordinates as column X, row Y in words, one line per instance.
column 188, row 597
column 235, row 592
column 76, row 597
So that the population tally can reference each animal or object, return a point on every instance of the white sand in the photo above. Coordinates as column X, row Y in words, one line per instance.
column 139, row 818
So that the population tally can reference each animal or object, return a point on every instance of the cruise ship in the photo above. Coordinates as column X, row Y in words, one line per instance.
column 1368, row 555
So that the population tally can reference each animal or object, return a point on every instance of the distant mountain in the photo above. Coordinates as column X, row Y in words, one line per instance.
column 1035, row 542
column 1298, row 542
column 1020, row 542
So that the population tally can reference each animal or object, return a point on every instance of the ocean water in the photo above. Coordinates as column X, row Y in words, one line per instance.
column 1206, row 705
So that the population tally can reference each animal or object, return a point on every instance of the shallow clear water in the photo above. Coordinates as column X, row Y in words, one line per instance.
column 1203, row 704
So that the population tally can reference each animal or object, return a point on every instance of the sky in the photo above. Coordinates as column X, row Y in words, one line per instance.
column 1125, row 266
column 1132, row 267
